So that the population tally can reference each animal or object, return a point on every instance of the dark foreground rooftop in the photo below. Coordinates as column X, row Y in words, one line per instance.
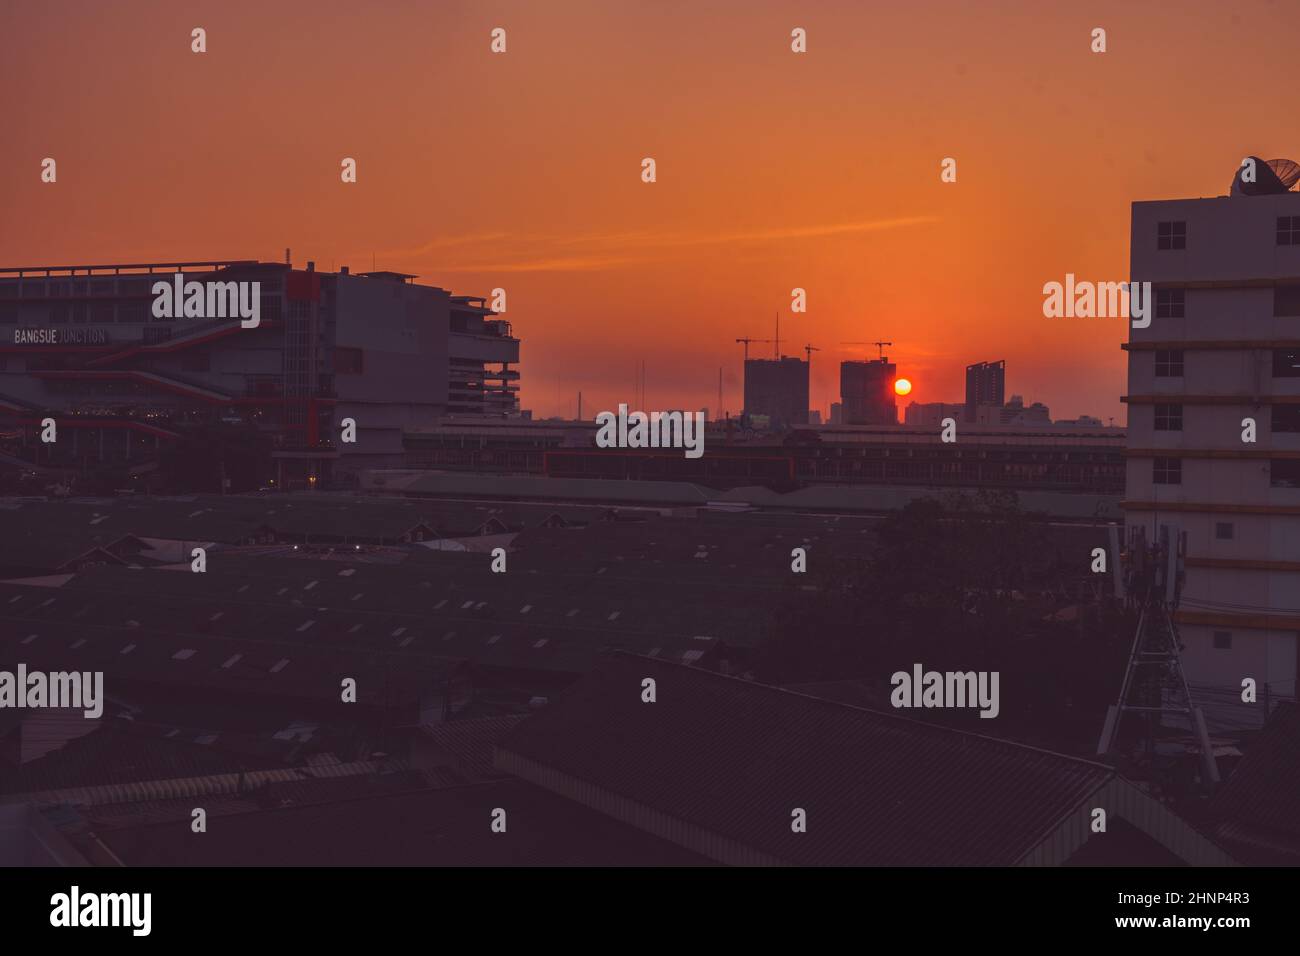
column 720, row 765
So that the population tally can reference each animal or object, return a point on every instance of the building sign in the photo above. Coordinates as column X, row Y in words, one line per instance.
column 69, row 336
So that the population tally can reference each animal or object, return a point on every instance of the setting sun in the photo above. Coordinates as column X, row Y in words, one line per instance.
column 902, row 386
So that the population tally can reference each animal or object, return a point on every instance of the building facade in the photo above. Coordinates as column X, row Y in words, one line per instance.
column 867, row 392
column 778, row 390
column 1214, row 428
column 258, row 401
column 986, row 384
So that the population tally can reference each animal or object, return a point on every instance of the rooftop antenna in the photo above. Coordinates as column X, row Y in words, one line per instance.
column 808, row 351
column 776, row 347
column 287, row 261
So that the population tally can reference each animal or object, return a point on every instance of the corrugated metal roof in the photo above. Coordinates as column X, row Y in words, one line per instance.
column 1258, row 807
column 442, row 827
column 473, row 741
column 735, row 758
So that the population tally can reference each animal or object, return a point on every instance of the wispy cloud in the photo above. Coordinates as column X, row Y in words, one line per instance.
column 506, row 252
column 555, row 264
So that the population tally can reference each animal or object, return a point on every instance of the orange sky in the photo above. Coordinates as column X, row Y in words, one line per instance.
column 775, row 170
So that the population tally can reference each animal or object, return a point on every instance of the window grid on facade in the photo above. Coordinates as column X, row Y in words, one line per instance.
column 1169, row 418
column 1167, row 471
column 1286, row 418
column 1169, row 363
column 1171, row 235
column 1170, row 303
column 1286, row 300
column 1288, row 230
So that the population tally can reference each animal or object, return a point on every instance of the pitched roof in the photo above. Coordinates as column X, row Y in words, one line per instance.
column 473, row 741
column 1258, row 808
column 730, row 760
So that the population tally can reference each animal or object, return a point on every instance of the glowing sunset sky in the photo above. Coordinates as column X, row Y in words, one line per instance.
column 775, row 170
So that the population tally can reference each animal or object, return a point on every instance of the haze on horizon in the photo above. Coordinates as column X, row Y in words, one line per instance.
column 775, row 170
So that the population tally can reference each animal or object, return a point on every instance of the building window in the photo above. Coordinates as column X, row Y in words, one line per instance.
column 348, row 361
column 1286, row 300
column 1286, row 363
column 1286, row 418
column 1222, row 641
column 1169, row 303
column 1171, row 235
column 1168, row 471
column 1284, row 473
column 1169, row 363
column 1288, row 230
column 1224, row 530
column 1169, row 418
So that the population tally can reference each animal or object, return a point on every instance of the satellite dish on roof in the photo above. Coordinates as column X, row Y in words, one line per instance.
column 1272, row 176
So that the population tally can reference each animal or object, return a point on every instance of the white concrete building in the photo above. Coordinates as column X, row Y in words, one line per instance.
column 1223, row 346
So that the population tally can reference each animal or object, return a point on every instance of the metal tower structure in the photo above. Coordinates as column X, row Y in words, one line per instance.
column 1150, row 578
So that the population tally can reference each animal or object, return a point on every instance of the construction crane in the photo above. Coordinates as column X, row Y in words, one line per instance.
column 747, row 341
column 878, row 344
column 808, row 351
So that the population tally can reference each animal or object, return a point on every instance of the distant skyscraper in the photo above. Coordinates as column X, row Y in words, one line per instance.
column 867, row 392
column 777, row 388
column 986, row 384
column 837, row 413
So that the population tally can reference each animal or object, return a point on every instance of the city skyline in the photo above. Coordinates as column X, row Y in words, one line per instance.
column 460, row 180
column 365, row 498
